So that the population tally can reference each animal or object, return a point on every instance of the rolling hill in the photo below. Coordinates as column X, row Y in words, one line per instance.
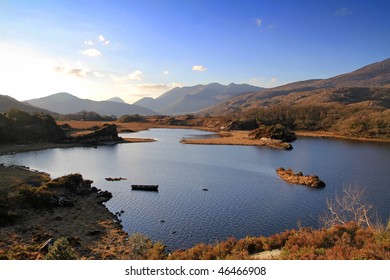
column 195, row 98
column 7, row 103
column 65, row 103
column 367, row 86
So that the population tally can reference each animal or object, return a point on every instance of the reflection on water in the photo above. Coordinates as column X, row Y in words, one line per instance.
column 244, row 197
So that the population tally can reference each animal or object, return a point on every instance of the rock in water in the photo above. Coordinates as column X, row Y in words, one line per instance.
column 298, row 178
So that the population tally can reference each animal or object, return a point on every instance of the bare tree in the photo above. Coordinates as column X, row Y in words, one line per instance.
column 349, row 206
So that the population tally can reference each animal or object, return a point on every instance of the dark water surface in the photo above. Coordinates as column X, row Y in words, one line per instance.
column 244, row 197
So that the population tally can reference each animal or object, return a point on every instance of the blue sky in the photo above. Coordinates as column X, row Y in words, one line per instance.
column 137, row 48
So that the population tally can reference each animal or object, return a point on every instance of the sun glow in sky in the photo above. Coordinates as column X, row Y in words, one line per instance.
column 132, row 49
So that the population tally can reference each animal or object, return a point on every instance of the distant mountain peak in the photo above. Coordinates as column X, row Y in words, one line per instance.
column 116, row 99
column 191, row 99
column 63, row 96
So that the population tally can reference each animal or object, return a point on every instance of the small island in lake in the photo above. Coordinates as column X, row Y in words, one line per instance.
column 298, row 178
column 274, row 136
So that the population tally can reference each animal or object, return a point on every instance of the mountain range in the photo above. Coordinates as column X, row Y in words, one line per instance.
column 195, row 98
column 367, row 86
column 7, row 103
column 65, row 103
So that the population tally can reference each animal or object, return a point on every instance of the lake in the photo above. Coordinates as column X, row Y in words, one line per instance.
column 244, row 197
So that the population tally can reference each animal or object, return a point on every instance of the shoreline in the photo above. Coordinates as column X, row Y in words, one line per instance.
column 16, row 149
column 325, row 134
column 233, row 137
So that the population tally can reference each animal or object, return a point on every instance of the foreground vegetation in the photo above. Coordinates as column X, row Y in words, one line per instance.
column 64, row 219
column 350, row 241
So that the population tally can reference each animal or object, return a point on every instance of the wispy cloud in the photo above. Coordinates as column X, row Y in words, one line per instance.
column 151, row 86
column 342, row 12
column 98, row 75
column 91, row 52
column 271, row 26
column 134, row 76
column 165, row 72
column 263, row 24
column 79, row 70
column 88, row 42
column 102, row 39
column 200, row 68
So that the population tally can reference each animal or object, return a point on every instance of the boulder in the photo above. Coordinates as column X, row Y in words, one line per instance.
column 103, row 196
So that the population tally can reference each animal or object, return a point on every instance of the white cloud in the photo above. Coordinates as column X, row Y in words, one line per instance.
column 98, row 75
column 342, row 12
column 199, row 68
column 91, row 52
column 88, row 42
column 103, row 40
column 259, row 21
column 134, row 76
column 165, row 72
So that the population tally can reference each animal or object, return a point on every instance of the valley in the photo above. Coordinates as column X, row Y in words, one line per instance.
column 224, row 129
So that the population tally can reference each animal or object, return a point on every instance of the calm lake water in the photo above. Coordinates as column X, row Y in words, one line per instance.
column 244, row 197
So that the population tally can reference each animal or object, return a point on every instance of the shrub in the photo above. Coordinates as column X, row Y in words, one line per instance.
column 61, row 250
column 69, row 182
column 35, row 196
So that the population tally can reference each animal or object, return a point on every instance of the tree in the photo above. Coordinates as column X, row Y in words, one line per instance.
column 349, row 206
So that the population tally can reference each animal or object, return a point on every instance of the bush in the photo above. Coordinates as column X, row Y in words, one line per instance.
column 61, row 250
column 69, row 182
column 35, row 196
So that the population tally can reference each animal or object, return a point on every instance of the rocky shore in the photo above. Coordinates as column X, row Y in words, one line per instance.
column 298, row 178
column 37, row 209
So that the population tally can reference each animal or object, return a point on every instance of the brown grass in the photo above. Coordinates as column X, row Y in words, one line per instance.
column 349, row 241
column 230, row 138
column 326, row 134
